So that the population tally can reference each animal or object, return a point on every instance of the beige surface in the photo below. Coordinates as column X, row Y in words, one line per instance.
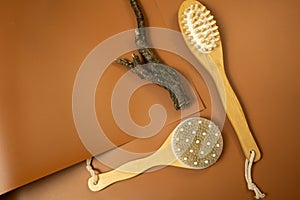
column 50, row 40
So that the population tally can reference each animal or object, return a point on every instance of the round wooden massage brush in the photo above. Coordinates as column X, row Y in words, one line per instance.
column 196, row 143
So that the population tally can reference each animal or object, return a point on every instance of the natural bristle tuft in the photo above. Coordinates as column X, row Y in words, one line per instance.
column 200, row 27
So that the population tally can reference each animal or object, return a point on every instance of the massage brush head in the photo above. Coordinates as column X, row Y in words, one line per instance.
column 199, row 27
column 197, row 143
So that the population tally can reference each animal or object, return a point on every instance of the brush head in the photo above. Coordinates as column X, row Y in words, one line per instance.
column 198, row 26
column 197, row 143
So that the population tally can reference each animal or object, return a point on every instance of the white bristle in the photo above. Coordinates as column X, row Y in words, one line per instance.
column 214, row 28
column 187, row 32
column 200, row 28
column 212, row 23
column 190, row 37
column 210, row 18
column 206, row 13
column 184, row 21
column 185, row 28
column 216, row 34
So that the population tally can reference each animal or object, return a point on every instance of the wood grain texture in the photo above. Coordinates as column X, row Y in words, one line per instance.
column 164, row 156
column 214, row 64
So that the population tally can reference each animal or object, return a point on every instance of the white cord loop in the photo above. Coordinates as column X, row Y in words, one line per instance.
column 90, row 169
column 248, row 176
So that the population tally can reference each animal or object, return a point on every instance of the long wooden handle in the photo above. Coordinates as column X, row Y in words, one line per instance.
column 213, row 63
column 237, row 117
column 132, row 169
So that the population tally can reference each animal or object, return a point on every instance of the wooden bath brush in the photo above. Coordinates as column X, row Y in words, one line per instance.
column 195, row 143
column 201, row 34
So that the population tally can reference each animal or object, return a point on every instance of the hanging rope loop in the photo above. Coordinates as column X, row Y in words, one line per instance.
column 248, row 176
column 90, row 169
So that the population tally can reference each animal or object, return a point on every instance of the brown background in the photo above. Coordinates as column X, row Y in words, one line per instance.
column 42, row 46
